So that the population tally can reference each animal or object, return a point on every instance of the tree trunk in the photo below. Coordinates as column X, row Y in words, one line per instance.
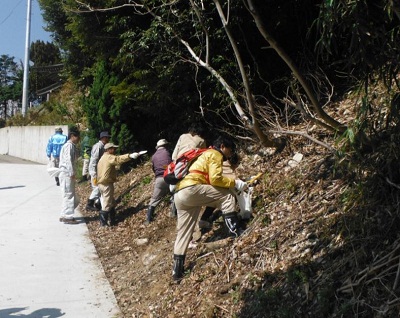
column 266, row 141
column 335, row 125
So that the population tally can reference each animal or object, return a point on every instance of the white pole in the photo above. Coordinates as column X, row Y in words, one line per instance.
column 25, row 87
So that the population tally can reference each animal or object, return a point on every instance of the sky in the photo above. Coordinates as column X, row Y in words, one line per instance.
column 13, row 27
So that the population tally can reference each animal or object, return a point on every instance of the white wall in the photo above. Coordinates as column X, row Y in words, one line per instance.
column 27, row 142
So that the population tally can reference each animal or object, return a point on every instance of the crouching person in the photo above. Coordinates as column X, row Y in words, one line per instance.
column 205, row 186
column 106, row 176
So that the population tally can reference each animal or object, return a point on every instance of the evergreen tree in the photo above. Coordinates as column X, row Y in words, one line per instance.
column 10, row 86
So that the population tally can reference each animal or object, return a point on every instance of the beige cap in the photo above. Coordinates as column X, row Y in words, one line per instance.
column 161, row 142
column 110, row 145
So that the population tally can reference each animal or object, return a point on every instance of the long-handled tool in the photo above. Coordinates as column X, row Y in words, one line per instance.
column 253, row 179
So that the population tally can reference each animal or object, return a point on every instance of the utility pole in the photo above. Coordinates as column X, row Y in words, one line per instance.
column 25, row 88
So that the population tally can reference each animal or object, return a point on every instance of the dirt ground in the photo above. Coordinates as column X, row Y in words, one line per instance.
column 305, row 253
column 137, row 258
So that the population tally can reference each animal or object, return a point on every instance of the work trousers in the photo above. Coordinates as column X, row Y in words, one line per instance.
column 95, row 194
column 69, row 198
column 189, row 201
column 85, row 167
column 161, row 189
column 55, row 161
column 107, row 196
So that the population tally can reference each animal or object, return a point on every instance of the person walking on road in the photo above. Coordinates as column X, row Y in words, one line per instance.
column 205, row 186
column 160, row 161
column 93, row 203
column 106, row 176
column 53, row 148
column 68, row 158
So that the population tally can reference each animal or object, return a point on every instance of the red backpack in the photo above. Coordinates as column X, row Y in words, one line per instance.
column 179, row 169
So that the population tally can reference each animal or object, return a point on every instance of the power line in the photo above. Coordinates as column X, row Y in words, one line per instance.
column 11, row 12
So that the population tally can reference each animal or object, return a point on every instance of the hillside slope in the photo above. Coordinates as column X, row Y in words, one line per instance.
column 322, row 243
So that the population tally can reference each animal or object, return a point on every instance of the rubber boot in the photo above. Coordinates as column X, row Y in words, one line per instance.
column 113, row 220
column 84, row 179
column 104, row 218
column 57, row 181
column 150, row 214
column 178, row 269
column 207, row 214
column 215, row 216
column 232, row 224
column 90, row 205
column 97, row 204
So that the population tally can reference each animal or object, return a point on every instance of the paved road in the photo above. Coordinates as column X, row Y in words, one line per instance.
column 10, row 159
column 47, row 268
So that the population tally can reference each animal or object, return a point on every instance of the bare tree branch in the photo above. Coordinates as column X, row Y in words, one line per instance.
column 335, row 125
column 265, row 140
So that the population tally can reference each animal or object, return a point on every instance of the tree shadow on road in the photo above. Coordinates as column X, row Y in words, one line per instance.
column 9, row 188
column 40, row 313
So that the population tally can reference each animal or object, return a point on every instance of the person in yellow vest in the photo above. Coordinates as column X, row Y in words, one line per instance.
column 228, row 170
column 205, row 185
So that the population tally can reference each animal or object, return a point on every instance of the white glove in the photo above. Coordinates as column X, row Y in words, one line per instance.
column 240, row 185
column 134, row 155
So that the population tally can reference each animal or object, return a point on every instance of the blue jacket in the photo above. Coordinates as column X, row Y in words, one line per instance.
column 55, row 143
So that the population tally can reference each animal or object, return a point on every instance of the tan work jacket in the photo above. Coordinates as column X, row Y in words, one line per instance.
column 106, row 168
column 187, row 142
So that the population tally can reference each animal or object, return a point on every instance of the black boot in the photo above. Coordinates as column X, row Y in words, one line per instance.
column 178, row 270
column 104, row 218
column 97, row 204
column 113, row 220
column 215, row 216
column 84, row 179
column 207, row 213
column 232, row 223
column 90, row 205
column 57, row 181
column 150, row 214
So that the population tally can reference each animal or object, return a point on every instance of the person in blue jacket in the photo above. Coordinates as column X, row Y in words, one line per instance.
column 53, row 148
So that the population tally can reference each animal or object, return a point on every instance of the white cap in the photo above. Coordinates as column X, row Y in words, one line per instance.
column 161, row 142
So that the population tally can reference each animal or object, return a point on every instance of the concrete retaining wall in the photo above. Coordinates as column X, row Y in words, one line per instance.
column 27, row 142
